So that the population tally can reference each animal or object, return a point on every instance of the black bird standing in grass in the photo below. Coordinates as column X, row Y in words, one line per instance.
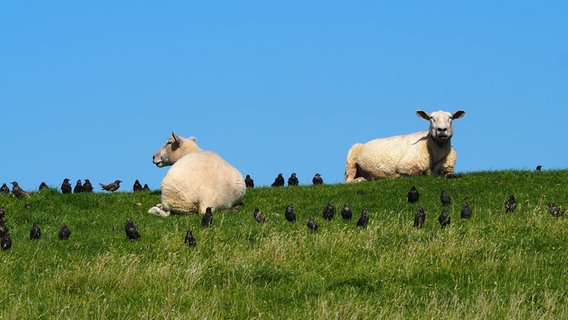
column 2, row 213
column 444, row 218
column 413, row 195
column 6, row 242
column 290, row 214
column 445, row 198
column 312, row 225
column 419, row 218
column 279, row 181
column 78, row 187
column 363, row 218
column 317, row 179
column 258, row 216
column 249, row 182
column 4, row 188
column 207, row 218
column 346, row 212
column 137, row 186
column 131, row 231
column 189, row 239
column 18, row 191
column 66, row 186
column 511, row 204
column 87, row 186
column 329, row 211
column 112, row 187
column 555, row 210
column 538, row 168
column 293, row 180
column 145, row 187
column 35, row 232
column 466, row 211
column 43, row 186
column 3, row 228
column 64, row 233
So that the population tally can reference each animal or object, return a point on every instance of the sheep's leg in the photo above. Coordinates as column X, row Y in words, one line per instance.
column 157, row 210
column 446, row 166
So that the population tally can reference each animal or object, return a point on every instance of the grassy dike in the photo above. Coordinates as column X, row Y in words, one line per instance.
column 493, row 266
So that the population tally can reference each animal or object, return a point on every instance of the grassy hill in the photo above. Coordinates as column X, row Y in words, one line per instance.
column 495, row 265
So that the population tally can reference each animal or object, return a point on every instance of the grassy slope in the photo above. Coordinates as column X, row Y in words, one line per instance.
column 495, row 265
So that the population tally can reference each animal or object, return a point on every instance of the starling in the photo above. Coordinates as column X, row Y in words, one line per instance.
column 466, row 211
column 112, row 187
column 260, row 218
column 4, row 189
column 2, row 213
column 43, row 186
column 419, row 218
column 293, row 180
column 78, row 187
column 249, row 183
column 137, row 186
column 329, row 211
column 445, row 198
column 317, row 179
column 66, row 186
column 145, row 187
column 6, row 242
column 189, row 239
column 363, row 218
column 444, row 218
column 413, row 195
column 3, row 228
column 538, row 168
column 346, row 212
column 312, row 225
column 87, row 186
column 207, row 218
column 35, row 232
column 131, row 231
column 290, row 214
column 279, row 181
column 64, row 232
column 511, row 204
column 555, row 210
column 18, row 191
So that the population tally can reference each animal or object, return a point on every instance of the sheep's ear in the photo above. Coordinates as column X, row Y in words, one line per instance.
column 193, row 138
column 423, row 114
column 458, row 114
column 177, row 141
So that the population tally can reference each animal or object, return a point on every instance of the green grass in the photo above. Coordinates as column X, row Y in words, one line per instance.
column 494, row 266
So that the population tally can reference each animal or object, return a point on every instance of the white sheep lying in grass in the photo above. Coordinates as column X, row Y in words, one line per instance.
column 425, row 152
column 197, row 179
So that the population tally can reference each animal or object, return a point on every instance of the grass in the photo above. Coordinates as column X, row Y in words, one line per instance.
column 496, row 265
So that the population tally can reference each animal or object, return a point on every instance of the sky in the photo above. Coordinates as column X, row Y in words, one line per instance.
column 92, row 89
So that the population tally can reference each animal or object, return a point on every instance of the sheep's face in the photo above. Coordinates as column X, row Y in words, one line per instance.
column 175, row 148
column 441, row 128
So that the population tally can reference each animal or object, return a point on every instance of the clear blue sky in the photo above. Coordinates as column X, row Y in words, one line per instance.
column 91, row 89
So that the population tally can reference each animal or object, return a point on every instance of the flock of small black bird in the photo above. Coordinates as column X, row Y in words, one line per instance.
column 132, row 233
column 66, row 187
column 279, row 181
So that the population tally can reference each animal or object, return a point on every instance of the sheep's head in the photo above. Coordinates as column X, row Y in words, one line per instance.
column 441, row 128
column 175, row 148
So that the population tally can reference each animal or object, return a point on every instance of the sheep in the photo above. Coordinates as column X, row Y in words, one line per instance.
column 425, row 152
column 197, row 180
